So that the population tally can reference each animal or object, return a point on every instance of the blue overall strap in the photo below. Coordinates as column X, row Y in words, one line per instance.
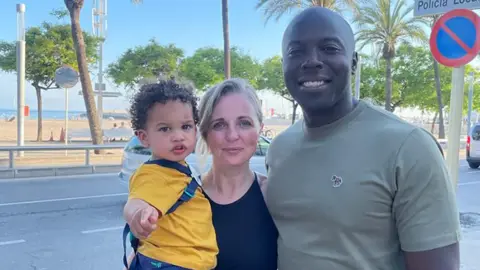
column 189, row 191
column 187, row 194
column 133, row 242
column 172, row 165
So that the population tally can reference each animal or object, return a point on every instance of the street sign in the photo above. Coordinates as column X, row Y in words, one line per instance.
column 455, row 38
column 66, row 77
column 432, row 7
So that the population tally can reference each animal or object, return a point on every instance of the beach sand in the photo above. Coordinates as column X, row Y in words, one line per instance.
column 8, row 134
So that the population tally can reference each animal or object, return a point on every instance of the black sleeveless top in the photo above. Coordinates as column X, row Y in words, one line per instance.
column 246, row 234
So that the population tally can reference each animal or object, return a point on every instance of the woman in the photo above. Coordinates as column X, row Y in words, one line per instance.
column 230, row 125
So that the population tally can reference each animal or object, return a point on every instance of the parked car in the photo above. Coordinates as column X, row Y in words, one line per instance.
column 473, row 147
column 135, row 154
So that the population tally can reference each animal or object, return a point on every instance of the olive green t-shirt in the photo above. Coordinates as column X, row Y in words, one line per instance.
column 355, row 193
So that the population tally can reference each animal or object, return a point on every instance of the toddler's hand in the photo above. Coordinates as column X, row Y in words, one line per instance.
column 144, row 222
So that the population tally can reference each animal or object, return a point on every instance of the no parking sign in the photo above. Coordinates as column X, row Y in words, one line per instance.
column 455, row 38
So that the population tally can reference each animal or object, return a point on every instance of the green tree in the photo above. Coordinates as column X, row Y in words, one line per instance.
column 226, row 38
column 272, row 78
column 145, row 62
column 205, row 67
column 476, row 89
column 49, row 46
column 414, row 84
column 385, row 23
column 278, row 8
column 74, row 7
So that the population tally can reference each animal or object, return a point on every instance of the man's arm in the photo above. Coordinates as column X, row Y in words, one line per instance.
column 425, row 206
column 447, row 258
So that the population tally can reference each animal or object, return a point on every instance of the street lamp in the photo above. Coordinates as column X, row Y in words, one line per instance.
column 20, row 76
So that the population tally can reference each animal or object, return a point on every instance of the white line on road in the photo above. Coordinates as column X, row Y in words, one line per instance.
column 103, row 230
column 469, row 183
column 473, row 172
column 64, row 199
column 58, row 178
column 12, row 242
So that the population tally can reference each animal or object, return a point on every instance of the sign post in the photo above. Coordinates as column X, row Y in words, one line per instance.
column 454, row 42
column 66, row 77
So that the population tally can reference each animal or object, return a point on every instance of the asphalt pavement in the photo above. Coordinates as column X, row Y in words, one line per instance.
column 76, row 222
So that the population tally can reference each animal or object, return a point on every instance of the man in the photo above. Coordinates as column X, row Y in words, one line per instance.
column 353, row 186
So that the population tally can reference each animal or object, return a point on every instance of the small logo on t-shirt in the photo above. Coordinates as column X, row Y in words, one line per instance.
column 336, row 181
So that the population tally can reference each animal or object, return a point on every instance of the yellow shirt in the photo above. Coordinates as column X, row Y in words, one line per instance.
column 185, row 237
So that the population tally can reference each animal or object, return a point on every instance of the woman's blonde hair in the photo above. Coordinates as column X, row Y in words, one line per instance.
column 207, row 105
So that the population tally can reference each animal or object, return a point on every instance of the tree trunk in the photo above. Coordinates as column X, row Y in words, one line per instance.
column 438, row 89
column 432, row 129
column 74, row 7
column 226, row 40
column 294, row 111
column 388, row 84
column 38, row 90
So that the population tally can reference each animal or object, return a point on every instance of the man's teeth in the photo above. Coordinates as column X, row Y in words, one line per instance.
column 314, row 83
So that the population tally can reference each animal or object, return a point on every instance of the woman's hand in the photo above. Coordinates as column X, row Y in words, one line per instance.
column 142, row 217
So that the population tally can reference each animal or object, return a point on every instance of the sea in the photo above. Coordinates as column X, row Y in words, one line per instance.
column 46, row 114
column 60, row 115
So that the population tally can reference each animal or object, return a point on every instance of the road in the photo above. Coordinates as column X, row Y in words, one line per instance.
column 76, row 222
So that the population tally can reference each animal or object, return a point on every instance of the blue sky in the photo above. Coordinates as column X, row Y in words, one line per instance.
column 189, row 24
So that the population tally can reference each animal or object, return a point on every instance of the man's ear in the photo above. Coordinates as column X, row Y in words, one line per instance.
column 354, row 62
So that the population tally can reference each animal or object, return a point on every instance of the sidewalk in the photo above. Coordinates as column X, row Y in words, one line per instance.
column 470, row 243
column 470, row 249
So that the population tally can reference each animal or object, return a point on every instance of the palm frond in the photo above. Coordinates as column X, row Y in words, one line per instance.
column 278, row 8
column 386, row 23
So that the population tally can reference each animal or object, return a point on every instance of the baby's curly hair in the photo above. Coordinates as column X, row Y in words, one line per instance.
column 161, row 92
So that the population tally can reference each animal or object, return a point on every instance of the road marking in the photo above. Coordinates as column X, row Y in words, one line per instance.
column 469, row 183
column 103, row 230
column 474, row 172
column 12, row 242
column 64, row 199
column 58, row 178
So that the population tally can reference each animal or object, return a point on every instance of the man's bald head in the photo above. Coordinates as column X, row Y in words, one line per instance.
column 323, row 19
column 319, row 57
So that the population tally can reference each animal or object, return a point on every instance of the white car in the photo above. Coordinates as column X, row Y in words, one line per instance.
column 473, row 147
column 134, row 155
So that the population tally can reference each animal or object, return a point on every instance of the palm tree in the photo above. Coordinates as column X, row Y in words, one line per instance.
column 278, row 8
column 383, row 26
column 438, row 90
column 226, row 39
column 74, row 7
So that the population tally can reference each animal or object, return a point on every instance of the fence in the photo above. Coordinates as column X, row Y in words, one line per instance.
column 12, row 171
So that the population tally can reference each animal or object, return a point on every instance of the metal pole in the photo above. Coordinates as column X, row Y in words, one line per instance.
column 99, row 27
column 66, row 119
column 455, row 122
column 470, row 97
column 357, row 78
column 20, row 76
